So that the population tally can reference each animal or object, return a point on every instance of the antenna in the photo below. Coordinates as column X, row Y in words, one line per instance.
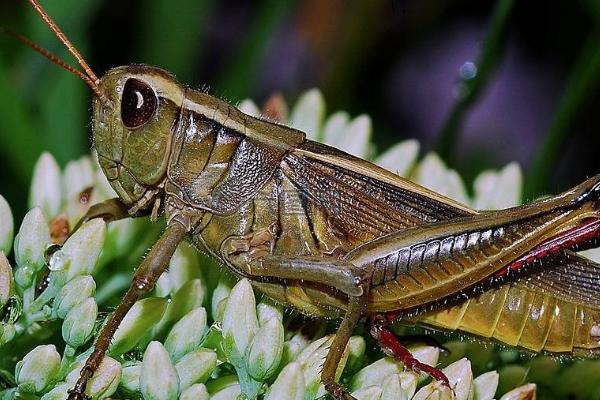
column 55, row 59
column 63, row 39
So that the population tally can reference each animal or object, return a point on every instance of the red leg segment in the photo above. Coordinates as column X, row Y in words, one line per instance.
column 390, row 344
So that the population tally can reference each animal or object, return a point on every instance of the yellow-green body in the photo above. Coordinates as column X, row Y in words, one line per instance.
column 303, row 221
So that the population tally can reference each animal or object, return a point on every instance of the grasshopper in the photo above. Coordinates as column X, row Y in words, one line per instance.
column 332, row 235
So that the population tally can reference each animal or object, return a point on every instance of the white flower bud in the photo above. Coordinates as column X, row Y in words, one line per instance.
column 189, row 297
column 268, row 309
column 37, row 369
column 7, row 226
column 105, row 380
column 130, row 377
column 400, row 158
column 158, row 379
column 79, row 323
column 59, row 392
column 31, row 242
column 524, row 392
column 7, row 282
column 7, row 333
column 485, row 385
column 219, row 296
column 142, row 316
column 195, row 367
column 240, row 321
column 368, row 393
column 81, row 251
column 393, row 390
column 195, row 392
column 187, row 334
column 264, row 353
column 73, row 293
column 308, row 112
column 46, row 186
column 289, row 384
column 228, row 392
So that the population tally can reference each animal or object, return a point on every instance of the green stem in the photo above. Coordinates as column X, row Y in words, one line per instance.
column 471, row 88
column 583, row 82
column 67, row 360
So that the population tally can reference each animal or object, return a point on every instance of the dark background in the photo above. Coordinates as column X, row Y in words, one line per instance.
column 534, row 98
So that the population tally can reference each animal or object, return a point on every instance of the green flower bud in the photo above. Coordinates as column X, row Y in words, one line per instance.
column 37, row 369
column 264, row 353
column 7, row 226
column 142, row 316
column 31, row 242
column 74, row 292
column 7, row 282
column 59, row 392
column 158, row 379
column 105, row 380
column 240, row 321
column 195, row 392
column 485, row 385
column 81, row 251
column 7, row 333
column 368, row 393
column 289, row 384
column 45, row 189
column 187, row 334
column 195, row 367
column 130, row 377
column 524, row 392
column 79, row 323
column 220, row 294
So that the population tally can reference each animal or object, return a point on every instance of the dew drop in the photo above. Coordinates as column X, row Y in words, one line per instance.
column 11, row 311
column 467, row 71
column 57, row 261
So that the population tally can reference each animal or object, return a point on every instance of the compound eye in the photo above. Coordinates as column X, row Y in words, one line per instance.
column 138, row 103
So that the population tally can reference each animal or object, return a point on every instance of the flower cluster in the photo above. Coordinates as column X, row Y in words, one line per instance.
column 200, row 335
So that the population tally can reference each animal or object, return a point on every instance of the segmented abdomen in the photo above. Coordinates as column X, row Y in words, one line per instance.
column 520, row 315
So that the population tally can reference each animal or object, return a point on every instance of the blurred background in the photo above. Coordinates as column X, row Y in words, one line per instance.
column 481, row 82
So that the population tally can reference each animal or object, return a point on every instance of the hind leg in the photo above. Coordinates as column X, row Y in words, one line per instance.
column 390, row 344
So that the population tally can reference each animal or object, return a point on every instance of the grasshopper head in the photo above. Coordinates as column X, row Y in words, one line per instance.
column 132, row 127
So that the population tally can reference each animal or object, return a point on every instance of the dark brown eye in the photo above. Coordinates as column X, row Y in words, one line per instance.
column 138, row 103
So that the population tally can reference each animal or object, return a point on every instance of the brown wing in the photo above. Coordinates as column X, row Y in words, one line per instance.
column 361, row 199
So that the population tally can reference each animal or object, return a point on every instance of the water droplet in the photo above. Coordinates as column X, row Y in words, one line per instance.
column 11, row 311
column 467, row 71
column 57, row 261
